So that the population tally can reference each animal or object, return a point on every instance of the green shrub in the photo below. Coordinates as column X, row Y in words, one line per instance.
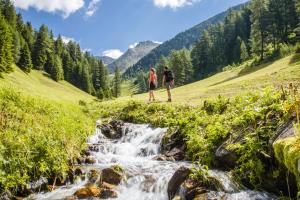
column 38, row 138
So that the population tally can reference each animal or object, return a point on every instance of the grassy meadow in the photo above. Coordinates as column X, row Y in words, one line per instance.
column 232, row 82
column 38, row 84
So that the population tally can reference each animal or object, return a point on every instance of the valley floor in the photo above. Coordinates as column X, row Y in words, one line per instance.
column 232, row 82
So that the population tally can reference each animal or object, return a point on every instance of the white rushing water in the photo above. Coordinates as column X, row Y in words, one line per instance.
column 146, row 179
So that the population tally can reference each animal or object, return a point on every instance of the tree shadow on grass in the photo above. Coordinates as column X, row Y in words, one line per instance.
column 295, row 59
column 250, row 69
column 46, row 74
column 228, row 79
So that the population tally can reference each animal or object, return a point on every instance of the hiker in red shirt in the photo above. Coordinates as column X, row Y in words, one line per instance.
column 152, row 84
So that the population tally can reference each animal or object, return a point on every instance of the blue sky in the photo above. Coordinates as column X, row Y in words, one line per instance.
column 111, row 26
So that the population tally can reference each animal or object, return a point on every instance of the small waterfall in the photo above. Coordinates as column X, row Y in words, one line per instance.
column 146, row 179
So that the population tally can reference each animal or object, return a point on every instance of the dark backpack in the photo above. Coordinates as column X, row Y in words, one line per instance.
column 169, row 76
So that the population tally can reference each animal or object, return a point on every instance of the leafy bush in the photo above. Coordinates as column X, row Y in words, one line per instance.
column 38, row 138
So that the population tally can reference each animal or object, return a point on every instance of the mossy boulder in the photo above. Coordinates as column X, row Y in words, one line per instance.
column 287, row 152
column 111, row 176
column 90, row 190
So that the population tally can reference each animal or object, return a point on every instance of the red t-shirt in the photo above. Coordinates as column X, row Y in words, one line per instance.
column 153, row 77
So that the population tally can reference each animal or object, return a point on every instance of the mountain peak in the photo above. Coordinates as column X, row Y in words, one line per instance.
column 135, row 52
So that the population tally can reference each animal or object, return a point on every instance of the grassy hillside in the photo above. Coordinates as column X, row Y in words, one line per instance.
column 37, row 83
column 234, row 81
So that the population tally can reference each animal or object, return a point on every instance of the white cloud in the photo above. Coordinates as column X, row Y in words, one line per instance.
column 92, row 8
column 113, row 53
column 66, row 40
column 65, row 7
column 174, row 4
column 133, row 45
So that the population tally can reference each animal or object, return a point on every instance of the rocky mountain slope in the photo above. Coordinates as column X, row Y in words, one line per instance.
column 133, row 55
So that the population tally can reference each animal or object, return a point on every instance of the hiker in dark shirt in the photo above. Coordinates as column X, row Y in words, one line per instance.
column 168, row 81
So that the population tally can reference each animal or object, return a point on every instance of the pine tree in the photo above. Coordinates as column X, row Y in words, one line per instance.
column 186, row 63
column 244, row 55
column 259, row 32
column 9, row 13
column 117, row 83
column 41, row 48
column 201, row 55
column 67, row 66
column 177, row 64
column 6, row 46
column 86, row 83
column 141, row 82
column 103, row 78
column 25, row 62
column 28, row 35
column 230, row 35
column 283, row 19
column 56, row 72
column 59, row 46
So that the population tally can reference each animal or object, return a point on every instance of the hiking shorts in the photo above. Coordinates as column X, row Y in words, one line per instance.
column 152, row 86
column 168, row 85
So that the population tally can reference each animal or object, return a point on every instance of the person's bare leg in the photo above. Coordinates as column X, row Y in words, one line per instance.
column 169, row 95
column 150, row 95
column 153, row 97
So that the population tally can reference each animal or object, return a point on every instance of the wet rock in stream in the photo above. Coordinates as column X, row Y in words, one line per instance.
column 111, row 176
column 177, row 179
column 113, row 130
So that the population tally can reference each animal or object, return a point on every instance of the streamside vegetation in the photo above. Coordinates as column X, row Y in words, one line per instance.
column 39, row 138
column 244, row 125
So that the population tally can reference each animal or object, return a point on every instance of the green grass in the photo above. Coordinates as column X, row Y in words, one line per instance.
column 37, row 83
column 42, row 127
column 39, row 137
column 232, row 82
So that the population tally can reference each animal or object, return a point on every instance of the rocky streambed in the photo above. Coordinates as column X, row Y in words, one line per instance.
column 127, row 162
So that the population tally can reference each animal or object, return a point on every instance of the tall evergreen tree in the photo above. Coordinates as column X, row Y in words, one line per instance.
column 186, row 63
column 259, row 32
column 6, row 46
column 67, row 65
column 244, row 55
column 86, row 83
column 201, row 55
column 177, row 64
column 103, row 71
column 141, row 82
column 9, row 13
column 28, row 35
column 25, row 62
column 59, row 46
column 41, row 48
column 283, row 19
column 117, row 83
